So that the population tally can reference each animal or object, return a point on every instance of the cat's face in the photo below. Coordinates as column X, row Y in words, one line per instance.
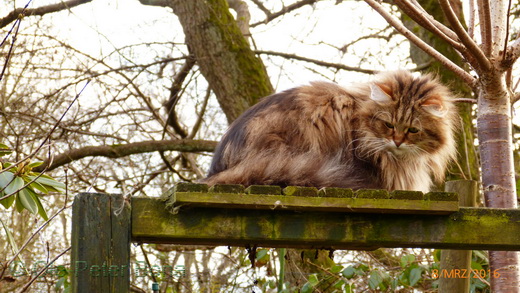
column 405, row 117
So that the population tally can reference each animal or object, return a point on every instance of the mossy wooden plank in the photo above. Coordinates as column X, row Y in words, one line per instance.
column 312, row 203
column 469, row 228
column 372, row 193
column 100, row 254
column 442, row 196
column 227, row 188
column 406, row 194
column 300, row 191
column 190, row 187
column 336, row 192
column 264, row 189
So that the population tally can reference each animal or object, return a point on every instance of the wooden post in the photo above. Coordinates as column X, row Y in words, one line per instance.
column 100, row 260
column 455, row 266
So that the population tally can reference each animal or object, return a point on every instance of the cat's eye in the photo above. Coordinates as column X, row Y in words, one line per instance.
column 413, row 130
column 389, row 125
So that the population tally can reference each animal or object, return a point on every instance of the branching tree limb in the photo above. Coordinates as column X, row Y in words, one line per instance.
column 62, row 5
column 273, row 15
column 470, row 80
column 482, row 63
column 119, row 151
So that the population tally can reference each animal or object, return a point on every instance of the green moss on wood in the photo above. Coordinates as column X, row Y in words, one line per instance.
column 300, row 191
column 227, row 188
column 470, row 228
column 405, row 194
column 190, row 187
column 442, row 196
column 255, row 82
column 372, row 193
column 336, row 192
column 264, row 189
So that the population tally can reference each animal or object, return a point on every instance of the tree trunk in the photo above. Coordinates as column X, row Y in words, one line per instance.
column 498, row 179
column 234, row 73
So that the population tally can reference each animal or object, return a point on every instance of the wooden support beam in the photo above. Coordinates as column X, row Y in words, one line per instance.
column 458, row 260
column 469, row 228
column 100, row 257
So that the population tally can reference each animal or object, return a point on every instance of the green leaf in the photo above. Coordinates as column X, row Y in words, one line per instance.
column 261, row 254
column 18, row 204
column 38, row 187
column 35, row 164
column 4, row 150
column 348, row 288
column 406, row 260
column 336, row 269
column 313, row 280
column 16, row 184
column 28, row 201
column 10, row 237
column 476, row 266
column 437, row 255
column 7, row 202
column 375, row 280
column 349, row 272
column 394, row 283
column 41, row 210
column 307, row 288
column 48, row 182
column 5, row 178
column 339, row 284
column 415, row 276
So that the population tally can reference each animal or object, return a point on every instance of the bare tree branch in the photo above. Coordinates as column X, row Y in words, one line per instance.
column 484, row 12
column 428, row 22
column 513, row 52
column 118, row 151
column 317, row 62
column 482, row 62
column 466, row 77
column 62, row 5
column 243, row 15
column 284, row 10
column 471, row 19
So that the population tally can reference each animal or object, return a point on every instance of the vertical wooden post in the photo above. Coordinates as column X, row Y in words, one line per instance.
column 456, row 264
column 100, row 259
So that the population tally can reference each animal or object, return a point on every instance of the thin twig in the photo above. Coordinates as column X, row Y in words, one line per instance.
column 317, row 62
column 36, row 232
column 42, row 271
column 11, row 47
column 283, row 11
column 50, row 132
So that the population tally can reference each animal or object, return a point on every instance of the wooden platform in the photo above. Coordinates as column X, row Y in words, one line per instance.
column 326, row 218
column 262, row 197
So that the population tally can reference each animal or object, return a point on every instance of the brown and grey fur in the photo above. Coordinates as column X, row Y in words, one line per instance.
column 393, row 133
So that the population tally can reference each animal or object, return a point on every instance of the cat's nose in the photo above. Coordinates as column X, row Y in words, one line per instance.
column 398, row 139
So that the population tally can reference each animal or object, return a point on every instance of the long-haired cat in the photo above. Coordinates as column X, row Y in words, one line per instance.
column 394, row 133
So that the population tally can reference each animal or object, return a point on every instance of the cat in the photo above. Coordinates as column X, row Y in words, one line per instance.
column 395, row 133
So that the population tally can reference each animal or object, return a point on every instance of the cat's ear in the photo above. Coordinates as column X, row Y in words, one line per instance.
column 434, row 106
column 380, row 93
